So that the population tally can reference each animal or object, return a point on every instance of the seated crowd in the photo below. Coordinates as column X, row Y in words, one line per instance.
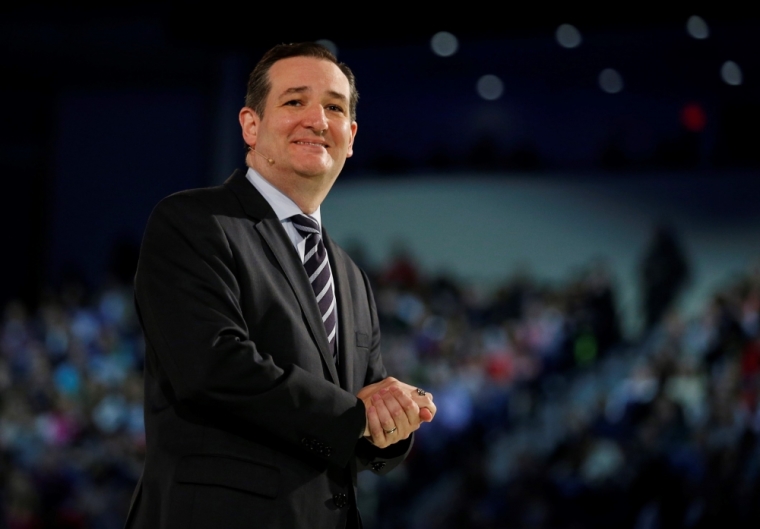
column 669, row 438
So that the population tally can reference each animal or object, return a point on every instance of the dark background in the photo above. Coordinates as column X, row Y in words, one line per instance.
column 105, row 111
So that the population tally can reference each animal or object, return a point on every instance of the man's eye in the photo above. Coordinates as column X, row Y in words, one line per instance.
column 335, row 108
column 293, row 102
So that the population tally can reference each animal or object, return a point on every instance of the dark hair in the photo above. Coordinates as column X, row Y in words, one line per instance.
column 258, row 81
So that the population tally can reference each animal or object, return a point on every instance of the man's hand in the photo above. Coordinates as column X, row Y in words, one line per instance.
column 394, row 411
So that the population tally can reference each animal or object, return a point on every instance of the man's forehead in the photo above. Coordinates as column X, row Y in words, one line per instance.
column 300, row 74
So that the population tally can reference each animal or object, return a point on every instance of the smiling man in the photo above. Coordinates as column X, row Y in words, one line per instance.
column 265, row 391
column 307, row 125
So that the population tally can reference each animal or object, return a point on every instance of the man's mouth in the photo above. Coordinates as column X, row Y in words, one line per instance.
column 310, row 143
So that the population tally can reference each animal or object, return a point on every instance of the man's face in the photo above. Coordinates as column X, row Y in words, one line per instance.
column 306, row 128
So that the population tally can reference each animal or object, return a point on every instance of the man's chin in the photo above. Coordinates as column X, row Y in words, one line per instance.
column 316, row 171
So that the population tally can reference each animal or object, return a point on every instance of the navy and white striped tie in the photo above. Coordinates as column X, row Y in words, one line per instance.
column 315, row 263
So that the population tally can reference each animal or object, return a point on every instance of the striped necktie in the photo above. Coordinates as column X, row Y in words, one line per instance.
column 315, row 263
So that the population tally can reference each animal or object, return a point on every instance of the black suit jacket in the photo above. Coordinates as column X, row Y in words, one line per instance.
column 249, row 423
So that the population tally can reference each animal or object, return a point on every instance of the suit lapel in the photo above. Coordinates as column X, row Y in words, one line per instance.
column 271, row 231
column 346, row 340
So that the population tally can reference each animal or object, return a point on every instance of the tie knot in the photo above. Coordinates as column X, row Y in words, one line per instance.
column 305, row 225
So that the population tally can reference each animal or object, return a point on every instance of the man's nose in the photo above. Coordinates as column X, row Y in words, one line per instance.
column 315, row 118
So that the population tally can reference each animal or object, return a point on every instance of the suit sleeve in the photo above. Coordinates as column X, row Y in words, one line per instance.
column 188, row 297
column 368, row 456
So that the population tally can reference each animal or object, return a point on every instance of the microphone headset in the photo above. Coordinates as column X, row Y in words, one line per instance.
column 269, row 160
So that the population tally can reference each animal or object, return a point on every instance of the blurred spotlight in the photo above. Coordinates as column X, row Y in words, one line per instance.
column 693, row 117
column 610, row 81
column 697, row 27
column 568, row 36
column 444, row 44
column 330, row 45
column 731, row 73
column 490, row 87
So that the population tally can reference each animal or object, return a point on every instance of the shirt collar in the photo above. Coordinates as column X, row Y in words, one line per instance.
column 282, row 205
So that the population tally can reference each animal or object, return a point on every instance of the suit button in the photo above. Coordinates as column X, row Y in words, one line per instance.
column 378, row 466
column 341, row 500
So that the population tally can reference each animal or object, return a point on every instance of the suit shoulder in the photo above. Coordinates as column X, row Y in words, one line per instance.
column 187, row 219
column 210, row 201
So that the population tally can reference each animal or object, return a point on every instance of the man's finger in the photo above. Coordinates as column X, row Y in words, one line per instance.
column 400, row 419
column 375, row 428
column 386, row 419
column 410, row 407
column 423, row 401
column 431, row 407
column 426, row 415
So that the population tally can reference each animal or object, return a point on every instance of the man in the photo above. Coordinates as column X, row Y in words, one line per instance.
column 265, row 392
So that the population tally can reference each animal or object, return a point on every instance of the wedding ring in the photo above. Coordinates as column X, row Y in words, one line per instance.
column 390, row 431
column 420, row 392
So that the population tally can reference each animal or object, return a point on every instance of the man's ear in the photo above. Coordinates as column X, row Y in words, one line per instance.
column 354, row 128
column 249, row 123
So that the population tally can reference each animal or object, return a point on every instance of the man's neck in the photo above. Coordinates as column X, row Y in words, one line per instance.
column 283, row 206
column 307, row 193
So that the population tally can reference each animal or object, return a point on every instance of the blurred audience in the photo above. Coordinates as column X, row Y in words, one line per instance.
column 547, row 418
column 664, row 273
column 71, row 426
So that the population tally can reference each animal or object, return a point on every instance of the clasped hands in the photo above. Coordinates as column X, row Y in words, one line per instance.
column 394, row 411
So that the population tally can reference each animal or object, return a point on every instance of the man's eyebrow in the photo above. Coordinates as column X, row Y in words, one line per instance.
column 302, row 89
column 337, row 95
column 296, row 90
